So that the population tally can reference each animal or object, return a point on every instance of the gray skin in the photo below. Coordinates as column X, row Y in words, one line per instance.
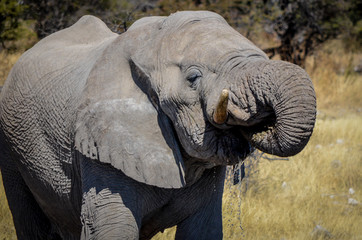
column 107, row 136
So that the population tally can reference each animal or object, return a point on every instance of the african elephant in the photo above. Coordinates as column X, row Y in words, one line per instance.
column 107, row 136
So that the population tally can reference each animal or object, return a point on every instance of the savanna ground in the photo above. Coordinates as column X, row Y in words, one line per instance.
column 314, row 195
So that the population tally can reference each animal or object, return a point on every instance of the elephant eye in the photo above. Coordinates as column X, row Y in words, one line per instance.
column 193, row 75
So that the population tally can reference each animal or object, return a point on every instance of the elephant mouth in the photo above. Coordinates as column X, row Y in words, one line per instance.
column 258, row 131
column 238, row 142
column 223, row 147
column 220, row 147
column 226, row 144
column 233, row 146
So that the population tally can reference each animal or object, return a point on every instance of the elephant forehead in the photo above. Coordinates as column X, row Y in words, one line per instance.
column 206, row 41
column 181, row 19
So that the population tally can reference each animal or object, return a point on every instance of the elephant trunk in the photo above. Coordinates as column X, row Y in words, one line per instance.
column 276, row 109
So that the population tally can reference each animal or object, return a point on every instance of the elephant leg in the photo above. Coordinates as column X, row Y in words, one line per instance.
column 105, row 213
column 206, row 222
column 29, row 220
column 203, row 225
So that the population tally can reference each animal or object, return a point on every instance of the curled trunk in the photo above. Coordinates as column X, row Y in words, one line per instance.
column 291, row 98
column 273, row 104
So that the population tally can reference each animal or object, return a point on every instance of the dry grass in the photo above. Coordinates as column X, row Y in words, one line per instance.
column 307, row 197
column 7, row 230
column 288, row 199
column 336, row 83
column 6, row 62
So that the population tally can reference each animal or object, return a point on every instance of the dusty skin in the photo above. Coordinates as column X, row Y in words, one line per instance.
column 108, row 136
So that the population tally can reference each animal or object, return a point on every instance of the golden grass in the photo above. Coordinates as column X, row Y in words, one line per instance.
column 308, row 196
column 288, row 199
column 336, row 83
column 7, row 60
column 7, row 230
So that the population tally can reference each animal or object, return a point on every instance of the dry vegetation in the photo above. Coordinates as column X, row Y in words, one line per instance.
column 292, row 199
column 316, row 194
column 6, row 62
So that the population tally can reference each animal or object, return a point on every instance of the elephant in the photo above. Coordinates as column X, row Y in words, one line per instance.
column 120, row 136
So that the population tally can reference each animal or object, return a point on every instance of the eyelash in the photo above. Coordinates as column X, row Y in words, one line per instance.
column 193, row 78
column 193, row 75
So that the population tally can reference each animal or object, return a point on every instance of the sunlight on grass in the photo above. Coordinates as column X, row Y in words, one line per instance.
column 335, row 81
column 290, row 198
column 7, row 230
column 6, row 62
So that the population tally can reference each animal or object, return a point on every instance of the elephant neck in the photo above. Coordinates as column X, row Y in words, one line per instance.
column 193, row 173
column 195, row 168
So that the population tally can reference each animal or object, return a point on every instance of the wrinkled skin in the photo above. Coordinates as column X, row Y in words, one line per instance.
column 120, row 136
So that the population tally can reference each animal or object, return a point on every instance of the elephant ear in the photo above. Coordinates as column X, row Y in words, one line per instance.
column 132, row 136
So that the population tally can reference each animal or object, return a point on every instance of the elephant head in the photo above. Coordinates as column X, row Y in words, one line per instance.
column 215, row 97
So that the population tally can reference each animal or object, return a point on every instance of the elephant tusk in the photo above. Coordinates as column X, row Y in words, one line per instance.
column 221, row 111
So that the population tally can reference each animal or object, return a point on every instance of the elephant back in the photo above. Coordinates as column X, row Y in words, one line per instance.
column 39, row 99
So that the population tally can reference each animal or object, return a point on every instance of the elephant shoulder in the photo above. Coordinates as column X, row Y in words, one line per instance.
column 71, row 52
column 86, row 30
